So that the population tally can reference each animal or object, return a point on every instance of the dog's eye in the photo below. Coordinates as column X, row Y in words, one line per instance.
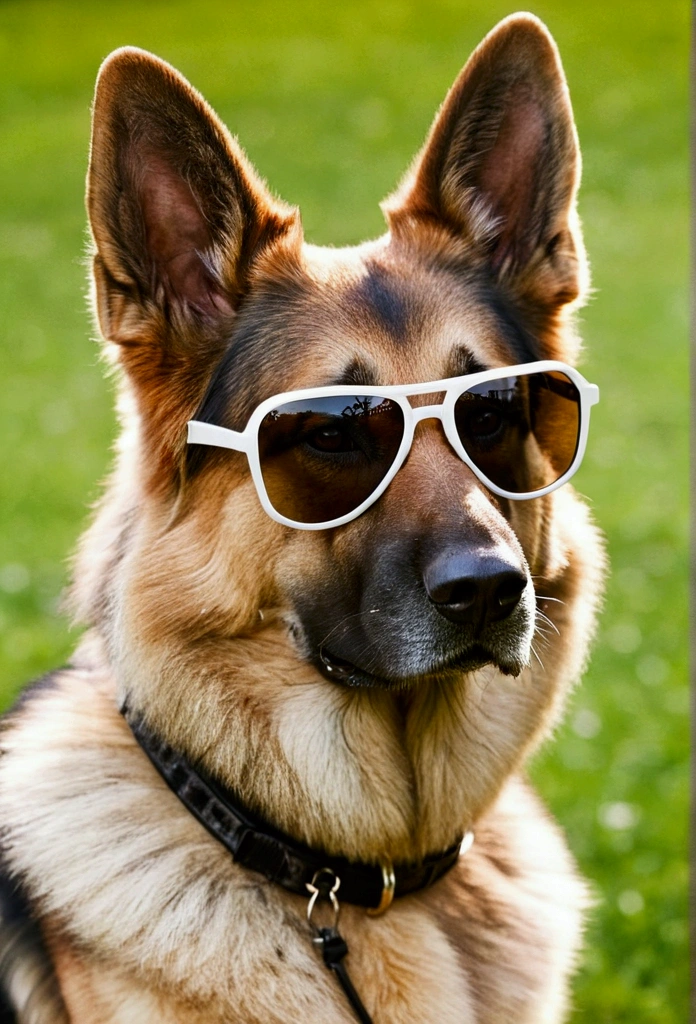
column 484, row 423
column 331, row 439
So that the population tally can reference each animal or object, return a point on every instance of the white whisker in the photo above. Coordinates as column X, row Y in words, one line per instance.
column 536, row 655
column 549, row 621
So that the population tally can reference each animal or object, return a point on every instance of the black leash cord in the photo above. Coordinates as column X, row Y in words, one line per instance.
column 334, row 948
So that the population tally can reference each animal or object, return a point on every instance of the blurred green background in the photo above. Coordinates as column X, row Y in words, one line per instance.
column 331, row 103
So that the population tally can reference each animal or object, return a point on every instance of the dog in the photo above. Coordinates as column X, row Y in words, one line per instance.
column 310, row 607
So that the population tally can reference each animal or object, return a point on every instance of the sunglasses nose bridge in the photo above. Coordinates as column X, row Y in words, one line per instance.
column 426, row 412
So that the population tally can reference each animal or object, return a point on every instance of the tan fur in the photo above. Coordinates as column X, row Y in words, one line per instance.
column 187, row 587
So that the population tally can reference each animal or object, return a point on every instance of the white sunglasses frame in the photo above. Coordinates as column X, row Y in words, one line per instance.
column 247, row 440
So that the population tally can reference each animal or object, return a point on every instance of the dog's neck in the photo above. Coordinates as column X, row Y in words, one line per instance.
column 256, row 844
column 362, row 773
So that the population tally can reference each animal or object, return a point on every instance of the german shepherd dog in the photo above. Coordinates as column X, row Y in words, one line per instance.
column 354, row 603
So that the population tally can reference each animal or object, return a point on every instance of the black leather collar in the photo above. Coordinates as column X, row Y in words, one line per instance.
column 260, row 847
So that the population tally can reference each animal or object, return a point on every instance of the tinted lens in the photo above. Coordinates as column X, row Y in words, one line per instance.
column 522, row 432
column 322, row 457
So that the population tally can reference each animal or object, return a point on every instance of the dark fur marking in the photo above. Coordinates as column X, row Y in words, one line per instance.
column 49, row 681
column 522, row 343
column 380, row 297
column 262, row 338
column 22, row 951
column 502, row 863
column 7, row 1014
column 358, row 373
column 462, row 362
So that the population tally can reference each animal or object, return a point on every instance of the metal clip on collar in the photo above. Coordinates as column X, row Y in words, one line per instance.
column 334, row 948
column 324, row 885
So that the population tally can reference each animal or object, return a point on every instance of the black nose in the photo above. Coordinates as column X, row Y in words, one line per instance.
column 473, row 588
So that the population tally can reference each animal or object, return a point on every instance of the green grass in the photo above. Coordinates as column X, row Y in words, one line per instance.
column 331, row 102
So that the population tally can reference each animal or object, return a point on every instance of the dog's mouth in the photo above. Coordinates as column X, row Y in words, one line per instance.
column 345, row 673
column 338, row 670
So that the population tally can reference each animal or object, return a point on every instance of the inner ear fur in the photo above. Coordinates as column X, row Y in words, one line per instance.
column 176, row 211
column 501, row 167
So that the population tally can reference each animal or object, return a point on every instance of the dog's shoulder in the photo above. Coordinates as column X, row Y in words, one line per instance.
column 513, row 908
column 29, row 988
column 115, row 863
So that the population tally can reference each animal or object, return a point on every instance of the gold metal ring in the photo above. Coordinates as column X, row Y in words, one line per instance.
column 388, row 887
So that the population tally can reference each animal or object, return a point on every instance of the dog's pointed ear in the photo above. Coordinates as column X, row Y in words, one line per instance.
column 501, row 166
column 177, row 213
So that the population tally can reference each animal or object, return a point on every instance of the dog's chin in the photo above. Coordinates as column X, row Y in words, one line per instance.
column 345, row 673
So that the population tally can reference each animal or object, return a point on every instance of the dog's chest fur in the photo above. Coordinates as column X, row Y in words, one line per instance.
column 117, row 865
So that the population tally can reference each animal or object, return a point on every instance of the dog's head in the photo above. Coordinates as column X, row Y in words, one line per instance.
column 211, row 303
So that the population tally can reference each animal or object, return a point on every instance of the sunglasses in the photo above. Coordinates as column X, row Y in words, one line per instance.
column 321, row 456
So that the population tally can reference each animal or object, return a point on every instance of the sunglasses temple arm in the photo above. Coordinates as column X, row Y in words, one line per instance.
column 594, row 394
column 218, row 437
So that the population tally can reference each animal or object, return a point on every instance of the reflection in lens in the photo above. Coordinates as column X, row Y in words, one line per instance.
column 522, row 432
column 322, row 457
